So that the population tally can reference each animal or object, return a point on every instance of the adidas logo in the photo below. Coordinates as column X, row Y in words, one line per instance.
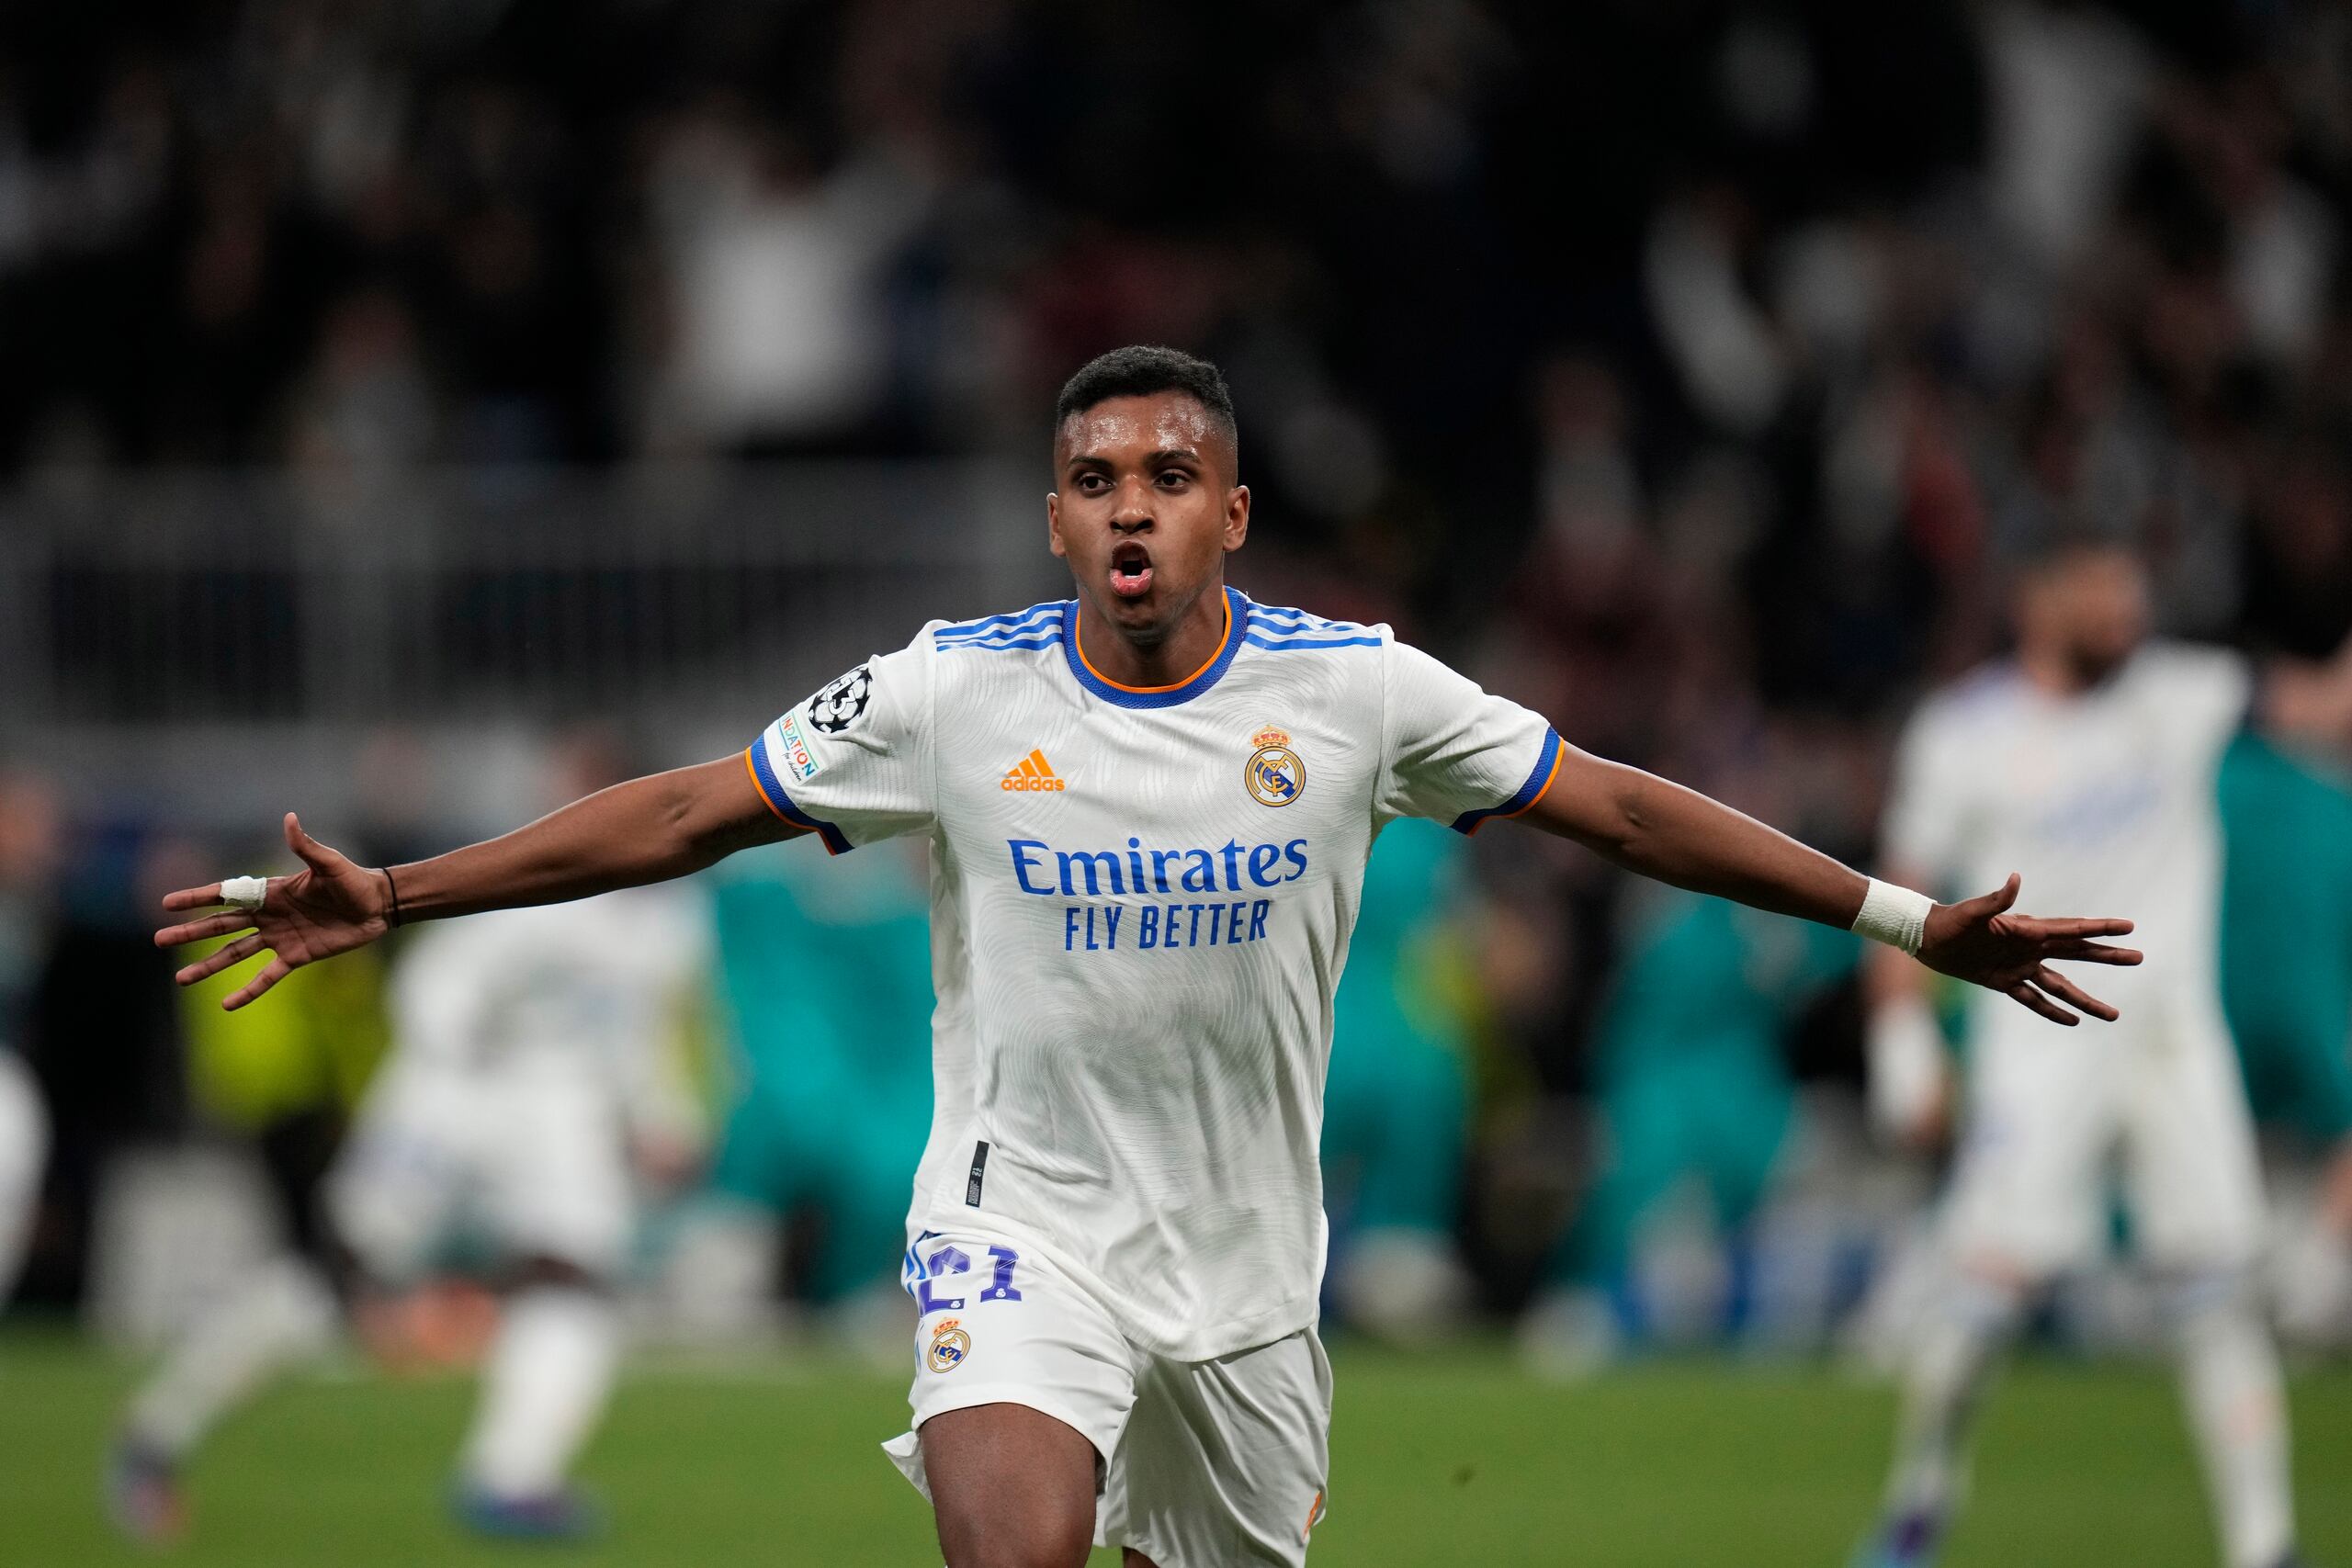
column 1032, row 772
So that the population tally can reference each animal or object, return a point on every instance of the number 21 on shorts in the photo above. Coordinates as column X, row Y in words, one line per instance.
column 951, row 1260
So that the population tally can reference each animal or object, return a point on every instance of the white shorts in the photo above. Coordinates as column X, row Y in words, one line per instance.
column 536, row 1162
column 1202, row 1464
column 2050, row 1107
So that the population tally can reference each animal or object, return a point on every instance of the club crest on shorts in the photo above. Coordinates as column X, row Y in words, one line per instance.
column 949, row 1346
column 1274, row 775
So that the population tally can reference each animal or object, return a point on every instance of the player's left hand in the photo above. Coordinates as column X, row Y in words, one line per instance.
column 1982, row 942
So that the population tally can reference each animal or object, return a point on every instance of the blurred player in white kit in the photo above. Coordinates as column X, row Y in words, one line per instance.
column 24, row 1147
column 30, row 833
column 531, row 1071
column 2088, row 763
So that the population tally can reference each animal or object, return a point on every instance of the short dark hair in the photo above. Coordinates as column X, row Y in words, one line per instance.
column 1141, row 369
column 2059, row 544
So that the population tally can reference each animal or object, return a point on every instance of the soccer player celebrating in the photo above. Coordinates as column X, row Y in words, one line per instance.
column 2089, row 760
column 1148, row 808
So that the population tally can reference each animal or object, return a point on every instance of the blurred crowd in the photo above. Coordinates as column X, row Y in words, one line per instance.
column 1691, row 372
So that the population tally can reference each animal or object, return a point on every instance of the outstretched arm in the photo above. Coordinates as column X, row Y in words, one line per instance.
column 649, row 830
column 1646, row 824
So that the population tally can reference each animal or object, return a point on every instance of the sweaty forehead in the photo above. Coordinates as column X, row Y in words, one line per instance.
column 1128, row 429
column 2089, row 570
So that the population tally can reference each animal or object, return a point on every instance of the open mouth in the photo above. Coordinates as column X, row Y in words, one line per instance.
column 1130, row 571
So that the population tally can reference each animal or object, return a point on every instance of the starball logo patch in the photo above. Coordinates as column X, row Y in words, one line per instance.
column 842, row 703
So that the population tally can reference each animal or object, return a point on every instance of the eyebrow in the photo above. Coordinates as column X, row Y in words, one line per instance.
column 1158, row 455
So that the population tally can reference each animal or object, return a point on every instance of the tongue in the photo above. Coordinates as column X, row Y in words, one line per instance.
column 1131, row 585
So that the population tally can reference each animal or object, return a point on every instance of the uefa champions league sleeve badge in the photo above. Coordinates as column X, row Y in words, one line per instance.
column 840, row 705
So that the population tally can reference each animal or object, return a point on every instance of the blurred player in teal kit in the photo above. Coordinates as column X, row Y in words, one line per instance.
column 2287, row 936
column 1691, row 1084
column 826, row 970
column 2288, row 826
column 1396, row 1103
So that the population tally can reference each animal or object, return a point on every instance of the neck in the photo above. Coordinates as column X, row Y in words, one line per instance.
column 1157, row 656
column 2051, row 671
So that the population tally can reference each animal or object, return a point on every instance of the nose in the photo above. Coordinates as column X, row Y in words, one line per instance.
column 1133, row 510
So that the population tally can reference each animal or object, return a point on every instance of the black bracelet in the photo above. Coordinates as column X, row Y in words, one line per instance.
column 394, row 889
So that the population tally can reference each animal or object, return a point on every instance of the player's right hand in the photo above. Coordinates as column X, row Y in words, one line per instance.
column 331, row 905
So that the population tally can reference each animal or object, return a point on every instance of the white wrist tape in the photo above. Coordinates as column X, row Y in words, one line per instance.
column 1896, row 916
column 244, row 891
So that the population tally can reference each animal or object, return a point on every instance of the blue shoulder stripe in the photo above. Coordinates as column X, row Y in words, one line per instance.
column 1279, row 643
column 1008, row 618
column 990, row 625
column 1300, row 620
column 1049, row 637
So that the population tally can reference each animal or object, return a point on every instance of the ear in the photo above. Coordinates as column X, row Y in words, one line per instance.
column 1236, row 517
column 1054, row 522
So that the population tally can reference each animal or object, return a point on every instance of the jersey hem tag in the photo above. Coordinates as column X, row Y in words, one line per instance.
column 979, row 1170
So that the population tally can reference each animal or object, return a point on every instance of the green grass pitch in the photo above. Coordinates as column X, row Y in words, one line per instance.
column 1453, row 1461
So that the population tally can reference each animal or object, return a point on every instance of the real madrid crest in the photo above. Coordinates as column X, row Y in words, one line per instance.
column 949, row 1346
column 1274, row 774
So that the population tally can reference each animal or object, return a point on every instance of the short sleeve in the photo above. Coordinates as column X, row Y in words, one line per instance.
column 852, row 763
column 1453, row 752
column 1926, row 823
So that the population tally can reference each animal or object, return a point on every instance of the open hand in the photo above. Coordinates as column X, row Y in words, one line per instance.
column 331, row 905
column 1981, row 942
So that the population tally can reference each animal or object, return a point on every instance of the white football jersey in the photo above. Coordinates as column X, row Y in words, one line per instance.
column 2104, row 802
column 1141, row 901
column 591, row 988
